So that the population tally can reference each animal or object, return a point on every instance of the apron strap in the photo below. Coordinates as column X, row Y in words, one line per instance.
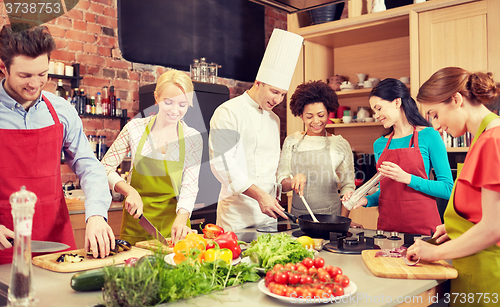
column 51, row 110
column 414, row 138
column 389, row 140
column 486, row 121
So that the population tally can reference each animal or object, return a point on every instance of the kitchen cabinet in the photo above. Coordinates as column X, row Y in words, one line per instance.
column 413, row 40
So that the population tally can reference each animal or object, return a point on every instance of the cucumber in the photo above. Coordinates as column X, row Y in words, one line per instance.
column 92, row 280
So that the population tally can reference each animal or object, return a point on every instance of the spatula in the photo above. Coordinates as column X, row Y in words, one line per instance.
column 307, row 206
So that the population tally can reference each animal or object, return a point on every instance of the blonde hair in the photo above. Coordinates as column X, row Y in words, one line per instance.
column 179, row 79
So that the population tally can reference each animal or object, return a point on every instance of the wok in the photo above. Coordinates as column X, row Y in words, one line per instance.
column 327, row 223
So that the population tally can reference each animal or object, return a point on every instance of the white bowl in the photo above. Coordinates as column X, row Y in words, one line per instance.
column 369, row 119
column 347, row 119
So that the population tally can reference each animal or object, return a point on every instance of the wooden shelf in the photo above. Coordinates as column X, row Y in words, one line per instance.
column 75, row 80
column 457, row 149
column 353, row 125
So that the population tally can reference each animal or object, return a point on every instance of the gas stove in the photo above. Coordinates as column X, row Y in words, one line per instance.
column 326, row 236
column 342, row 244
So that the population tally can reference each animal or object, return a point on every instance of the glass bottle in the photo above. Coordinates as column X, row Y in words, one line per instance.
column 112, row 101
column 101, row 147
column 105, row 101
column 82, row 103
column 203, row 70
column 88, row 105
column 60, row 91
column 92, row 105
column 21, row 292
column 98, row 104
column 93, row 144
column 74, row 99
column 195, row 70
column 118, row 107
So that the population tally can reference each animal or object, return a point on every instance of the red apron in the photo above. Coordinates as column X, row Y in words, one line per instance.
column 402, row 208
column 31, row 157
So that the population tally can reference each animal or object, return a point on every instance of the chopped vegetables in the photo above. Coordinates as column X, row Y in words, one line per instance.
column 73, row 258
column 212, row 231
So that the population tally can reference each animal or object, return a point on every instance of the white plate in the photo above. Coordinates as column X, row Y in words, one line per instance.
column 170, row 259
column 348, row 291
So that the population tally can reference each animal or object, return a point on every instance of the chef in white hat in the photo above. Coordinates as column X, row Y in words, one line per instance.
column 245, row 144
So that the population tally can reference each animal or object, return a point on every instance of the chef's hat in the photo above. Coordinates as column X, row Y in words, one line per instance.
column 280, row 59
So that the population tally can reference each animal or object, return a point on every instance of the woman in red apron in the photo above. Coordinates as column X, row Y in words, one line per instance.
column 166, row 156
column 455, row 101
column 406, row 198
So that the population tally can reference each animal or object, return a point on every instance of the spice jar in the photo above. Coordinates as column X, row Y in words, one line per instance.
column 21, row 291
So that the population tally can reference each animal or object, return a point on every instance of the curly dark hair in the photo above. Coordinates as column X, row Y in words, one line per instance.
column 313, row 92
column 20, row 39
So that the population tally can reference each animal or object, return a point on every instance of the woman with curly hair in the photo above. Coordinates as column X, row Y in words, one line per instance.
column 455, row 99
column 319, row 162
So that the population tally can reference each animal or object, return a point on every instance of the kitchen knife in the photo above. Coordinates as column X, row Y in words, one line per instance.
column 146, row 224
column 44, row 246
column 431, row 241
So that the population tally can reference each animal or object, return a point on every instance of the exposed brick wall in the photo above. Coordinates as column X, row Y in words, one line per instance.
column 88, row 35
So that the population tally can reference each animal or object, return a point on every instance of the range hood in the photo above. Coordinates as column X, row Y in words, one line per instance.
column 294, row 6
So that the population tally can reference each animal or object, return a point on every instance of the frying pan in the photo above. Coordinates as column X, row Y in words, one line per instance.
column 327, row 223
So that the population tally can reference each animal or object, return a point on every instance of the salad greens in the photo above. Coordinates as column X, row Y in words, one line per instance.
column 152, row 281
column 279, row 248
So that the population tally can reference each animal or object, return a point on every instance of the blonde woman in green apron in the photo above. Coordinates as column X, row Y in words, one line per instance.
column 455, row 100
column 320, row 163
column 166, row 157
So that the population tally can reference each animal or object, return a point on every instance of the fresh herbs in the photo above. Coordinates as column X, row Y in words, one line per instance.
column 152, row 281
column 279, row 248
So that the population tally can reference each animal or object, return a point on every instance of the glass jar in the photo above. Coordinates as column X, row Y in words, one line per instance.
column 203, row 70
column 101, row 147
column 93, row 143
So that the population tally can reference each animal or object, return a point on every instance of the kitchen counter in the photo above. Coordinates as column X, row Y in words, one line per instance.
column 53, row 289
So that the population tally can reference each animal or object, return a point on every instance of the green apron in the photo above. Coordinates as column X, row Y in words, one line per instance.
column 158, row 182
column 478, row 274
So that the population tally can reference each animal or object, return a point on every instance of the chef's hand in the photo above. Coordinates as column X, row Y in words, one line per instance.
column 133, row 203
column 362, row 203
column 393, row 171
column 179, row 229
column 4, row 234
column 441, row 235
column 99, row 236
column 423, row 251
column 298, row 184
column 268, row 204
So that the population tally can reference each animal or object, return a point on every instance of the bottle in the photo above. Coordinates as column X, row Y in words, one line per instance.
column 112, row 101
column 195, row 70
column 203, row 70
column 92, row 105
column 88, row 105
column 74, row 99
column 21, row 292
column 82, row 103
column 105, row 101
column 60, row 91
column 93, row 143
column 98, row 104
column 101, row 147
column 118, row 107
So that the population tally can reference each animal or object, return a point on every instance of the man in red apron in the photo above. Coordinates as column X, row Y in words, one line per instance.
column 34, row 127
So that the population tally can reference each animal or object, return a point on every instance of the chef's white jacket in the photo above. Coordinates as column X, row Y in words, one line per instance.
column 244, row 150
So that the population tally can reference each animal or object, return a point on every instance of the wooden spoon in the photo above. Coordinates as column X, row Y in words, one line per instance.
column 307, row 206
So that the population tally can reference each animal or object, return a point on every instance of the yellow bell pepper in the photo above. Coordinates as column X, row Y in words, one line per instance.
column 214, row 254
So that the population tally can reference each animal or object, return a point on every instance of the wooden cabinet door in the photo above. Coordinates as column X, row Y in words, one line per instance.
column 463, row 35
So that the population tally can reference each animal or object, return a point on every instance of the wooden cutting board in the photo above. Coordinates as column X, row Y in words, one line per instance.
column 154, row 244
column 388, row 267
column 49, row 261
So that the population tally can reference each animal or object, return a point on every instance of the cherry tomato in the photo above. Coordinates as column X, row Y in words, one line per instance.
column 312, row 271
column 278, row 267
column 302, row 269
column 343, row 280
column 305, row 279
column 333, row 271
column 319, row 262
column 324, row 276
column 338, row 290
column 299, row 291
column 308, row 262
column 293, row 278
column 281, row 278
column 319, row 293
column 306, row 293
column 290, row 266
column 290, row 291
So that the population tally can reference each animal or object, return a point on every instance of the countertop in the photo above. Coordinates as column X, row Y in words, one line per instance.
column 76, row 206
column 53, row 289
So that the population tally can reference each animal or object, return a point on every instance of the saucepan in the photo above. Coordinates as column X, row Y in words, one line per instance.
column 327, row 223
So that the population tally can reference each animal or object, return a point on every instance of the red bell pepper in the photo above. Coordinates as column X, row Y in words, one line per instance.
column 227, row 240
column 212, row 231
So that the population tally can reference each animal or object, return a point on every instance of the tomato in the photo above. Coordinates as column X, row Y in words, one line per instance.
column 290, row 266
column 278, row 267
column 333, row 271
column 319, row 262
column 308, row 262
column 306, row 293
column 324, row 276
column 280, row 290
column 305, row 279
column 319, row 293
column 302, row 269
column 343, row 280
column 293, row 278
column 312, row 271
column 269, row 277
column 290, row 291
column 338, row 290
column 299, row 291
column 281, row 278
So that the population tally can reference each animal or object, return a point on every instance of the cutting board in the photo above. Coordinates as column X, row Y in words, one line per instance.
column 154, row 244
column 388, row 267
column 49, row 261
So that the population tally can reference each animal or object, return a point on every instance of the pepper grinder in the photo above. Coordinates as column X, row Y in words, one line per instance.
column 21, row 291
